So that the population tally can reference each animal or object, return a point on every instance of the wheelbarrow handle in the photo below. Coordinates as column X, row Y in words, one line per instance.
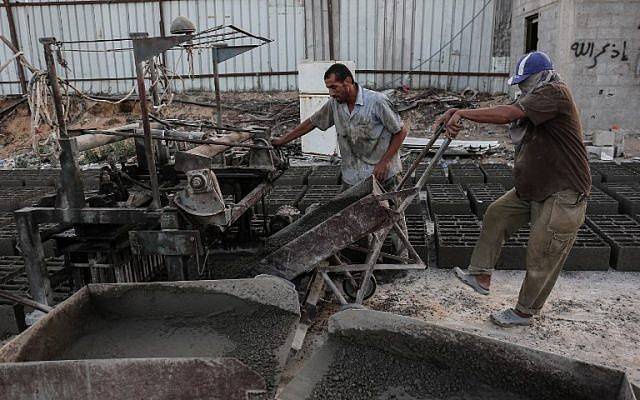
column 420, row 157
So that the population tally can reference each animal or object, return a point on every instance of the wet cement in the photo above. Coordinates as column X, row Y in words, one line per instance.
column 255, row 338
column 366, row 372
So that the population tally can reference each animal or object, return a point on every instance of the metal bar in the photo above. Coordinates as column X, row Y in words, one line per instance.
column 14, row 40
column 382, row 254
column 407, row 244
column 78, row 3
column 377, row 267
column 420, row 157
column 249, row 201
column 24, row 301
column 70, row 190
column 286, row 73
column 330, row 29
column 372, row 257
column 89, row 215
column 216, row 85
column 146, row 127
column 174, row 139
column 334, row 288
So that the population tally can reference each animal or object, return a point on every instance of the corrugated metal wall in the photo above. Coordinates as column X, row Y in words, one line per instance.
column 384, row 37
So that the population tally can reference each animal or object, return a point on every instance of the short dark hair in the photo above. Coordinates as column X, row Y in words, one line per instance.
column 340, row 71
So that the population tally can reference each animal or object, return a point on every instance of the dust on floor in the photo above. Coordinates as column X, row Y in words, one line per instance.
column 591, row 316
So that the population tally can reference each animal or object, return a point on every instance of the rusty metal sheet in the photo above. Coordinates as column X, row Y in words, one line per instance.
column 150, row 379
column 166, row 242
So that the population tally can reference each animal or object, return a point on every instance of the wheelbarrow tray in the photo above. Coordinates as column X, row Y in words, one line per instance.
column 131, row 378
column 253, row 320
column 377, row 355
column 342, row 221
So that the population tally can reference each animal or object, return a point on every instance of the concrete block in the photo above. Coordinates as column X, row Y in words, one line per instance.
column 600, row 203
column 627, row 194
column 447, row 199
column 481, row 195
column 456, row 237
column 622, row 233
column 465, row 174
column 603, row 138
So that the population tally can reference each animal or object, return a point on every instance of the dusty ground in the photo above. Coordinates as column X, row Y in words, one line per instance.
column 592, row 316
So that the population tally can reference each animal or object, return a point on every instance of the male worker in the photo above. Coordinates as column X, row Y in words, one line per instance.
column 552, row 182
column 370, row 131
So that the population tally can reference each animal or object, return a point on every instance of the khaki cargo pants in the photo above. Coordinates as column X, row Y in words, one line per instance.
column 554, row 225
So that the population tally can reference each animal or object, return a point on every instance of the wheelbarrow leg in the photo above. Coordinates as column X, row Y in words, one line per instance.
column 372, row 257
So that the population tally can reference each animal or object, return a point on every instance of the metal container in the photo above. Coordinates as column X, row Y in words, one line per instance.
column 253, row 320
column 377, row 355
column 130, row 378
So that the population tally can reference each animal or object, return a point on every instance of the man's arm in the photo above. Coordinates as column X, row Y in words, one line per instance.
column 305, row 127
column 382, row 168
column 492, row 115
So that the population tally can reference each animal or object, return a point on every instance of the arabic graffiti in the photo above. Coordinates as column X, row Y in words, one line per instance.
column 587, row 49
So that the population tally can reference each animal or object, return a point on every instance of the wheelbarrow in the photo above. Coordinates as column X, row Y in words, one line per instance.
column 363, row 211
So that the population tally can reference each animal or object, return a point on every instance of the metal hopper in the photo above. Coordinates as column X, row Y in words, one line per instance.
column 377, row 355
column 132, row 378
column 253, row 320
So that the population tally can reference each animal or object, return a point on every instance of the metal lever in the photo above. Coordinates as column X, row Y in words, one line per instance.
column 420, row 157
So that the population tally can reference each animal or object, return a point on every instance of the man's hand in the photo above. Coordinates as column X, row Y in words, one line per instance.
column 443, row 119
column 277, row 142
column 454, row 125
column 381, row 170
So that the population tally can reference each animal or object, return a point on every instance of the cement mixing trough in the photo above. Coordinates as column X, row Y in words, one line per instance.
column 253, row 320
column 376, row 355
column 132, row 378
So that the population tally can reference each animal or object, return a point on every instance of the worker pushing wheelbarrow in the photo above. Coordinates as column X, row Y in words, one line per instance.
column 370, row 133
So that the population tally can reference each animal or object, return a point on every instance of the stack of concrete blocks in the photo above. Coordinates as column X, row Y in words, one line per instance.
column 589, row 252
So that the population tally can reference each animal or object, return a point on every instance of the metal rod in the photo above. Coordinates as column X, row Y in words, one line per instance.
column 420, row 157
column 24, row 301
column 330, row 29
column 334, row 288
column 216, row 83
column 14, row 40
column 374, row 252
column 176, row 139
column 148, row 143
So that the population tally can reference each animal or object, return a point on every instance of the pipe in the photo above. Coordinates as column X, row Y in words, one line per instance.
column 200, row 157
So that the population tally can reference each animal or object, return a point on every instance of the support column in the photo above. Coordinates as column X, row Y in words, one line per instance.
column 70, row 189
column 34, row 260
column 14, row 40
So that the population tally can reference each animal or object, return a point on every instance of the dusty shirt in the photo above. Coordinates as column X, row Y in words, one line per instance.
column 553, row 156
column 363, row 135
